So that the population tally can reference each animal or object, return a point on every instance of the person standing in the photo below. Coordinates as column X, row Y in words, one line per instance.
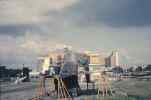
column 87, row 75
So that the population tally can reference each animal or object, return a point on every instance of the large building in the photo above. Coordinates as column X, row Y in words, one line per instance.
column 96, row 61
column 43, row 64
column 52, row 59
column 55, row 58
column 113, row 59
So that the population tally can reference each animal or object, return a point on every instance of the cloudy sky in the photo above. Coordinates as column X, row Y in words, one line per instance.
column 29, row 28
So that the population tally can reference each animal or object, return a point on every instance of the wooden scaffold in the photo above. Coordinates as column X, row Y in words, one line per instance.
column 62, row 92
column 40, row 91
column 104, row 85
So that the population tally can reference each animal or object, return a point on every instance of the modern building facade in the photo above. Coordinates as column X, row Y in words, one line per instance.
column 96, row 61
column 112, row 60
column 52, row 59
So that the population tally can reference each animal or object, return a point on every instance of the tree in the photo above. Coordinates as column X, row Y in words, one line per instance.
column 148, row 68
column 139, row 69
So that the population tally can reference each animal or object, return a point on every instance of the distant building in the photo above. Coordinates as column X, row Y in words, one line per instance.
column 114, row 59
column 43, row 64
column 96, row 62
column 52, row 59
column 96, row 59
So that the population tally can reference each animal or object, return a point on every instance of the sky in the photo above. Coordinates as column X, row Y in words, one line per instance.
column 29, row 28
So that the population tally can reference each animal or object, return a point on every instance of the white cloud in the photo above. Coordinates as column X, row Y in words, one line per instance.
column 52, row 27
column 29, row 11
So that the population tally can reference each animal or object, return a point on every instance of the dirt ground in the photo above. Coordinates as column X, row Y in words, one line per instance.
column 135, row 89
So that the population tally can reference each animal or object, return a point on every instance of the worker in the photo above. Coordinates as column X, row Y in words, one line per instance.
column 87, row 75
column 69, row 75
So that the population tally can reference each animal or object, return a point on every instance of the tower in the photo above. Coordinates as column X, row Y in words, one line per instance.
column 114, row 58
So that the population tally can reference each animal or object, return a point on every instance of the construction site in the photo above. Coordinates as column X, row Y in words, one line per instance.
column 66, row 76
